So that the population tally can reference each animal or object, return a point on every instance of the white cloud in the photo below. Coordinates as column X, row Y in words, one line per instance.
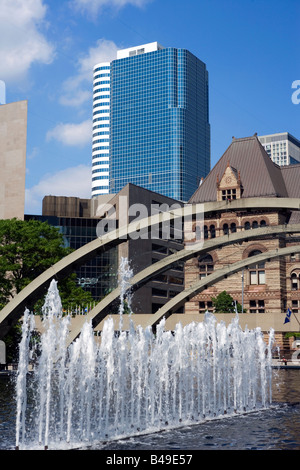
column 76, row 99
column 77, row 90
column 92, row 7
column 72, row 134
column 21, row 42
column 74, row 181
column 104, row 51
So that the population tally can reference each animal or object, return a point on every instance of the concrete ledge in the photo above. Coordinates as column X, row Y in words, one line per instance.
column 265, row 321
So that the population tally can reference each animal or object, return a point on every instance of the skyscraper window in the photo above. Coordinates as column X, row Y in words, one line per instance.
column 159, row 132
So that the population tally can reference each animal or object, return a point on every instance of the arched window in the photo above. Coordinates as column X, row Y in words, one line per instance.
column 206, row 266
column 233, row 228
column 225, row 229
column 294, row 281
column 205, row 232
column 263, row 223
column 254, row 224
column 212, row 229
column 247, row 226
column 257, row 271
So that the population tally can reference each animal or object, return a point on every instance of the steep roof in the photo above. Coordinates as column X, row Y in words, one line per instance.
column 291, row 176
column 260, row 177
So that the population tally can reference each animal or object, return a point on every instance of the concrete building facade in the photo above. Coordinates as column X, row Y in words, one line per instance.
column 81, row 221
column 282, row 148
column 13, row 137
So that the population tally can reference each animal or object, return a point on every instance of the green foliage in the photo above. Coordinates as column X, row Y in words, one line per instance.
column 290, row 334
column 12, row 340
column 27, row 248
column 224, row 303
column 71, row 295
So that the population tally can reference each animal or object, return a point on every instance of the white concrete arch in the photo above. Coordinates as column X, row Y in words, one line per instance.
column 216, row 276
column 15, row 308
column 97, row 314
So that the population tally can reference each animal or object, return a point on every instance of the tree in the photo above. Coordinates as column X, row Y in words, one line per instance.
column 224, row 303
column 27, row 249
column 71, row 296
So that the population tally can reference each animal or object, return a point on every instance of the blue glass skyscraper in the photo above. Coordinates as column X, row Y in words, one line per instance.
column 159, row 132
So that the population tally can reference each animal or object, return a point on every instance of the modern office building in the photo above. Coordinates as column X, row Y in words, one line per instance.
column 282, row 148
column 77, row 219
column 13, row 132
column 151, row 122
column 74, row 217
column 101, row 129
column 143, row 250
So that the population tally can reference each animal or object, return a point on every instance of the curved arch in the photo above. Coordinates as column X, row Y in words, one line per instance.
column 212, row 231
column 295, row 279
column 253, row 247
column 205, row 264
column 190, row 292
column 101, row 309
column 233, row 227
column 205, row 258
column 15, row 308
column 292, row 269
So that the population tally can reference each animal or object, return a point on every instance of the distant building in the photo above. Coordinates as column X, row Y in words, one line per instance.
column 269, row 288
column 77, row 220
column 282, row 148
column 74, row 217
column 151, row 122
column 13, row 137
column 101, row 129
column 142, row 252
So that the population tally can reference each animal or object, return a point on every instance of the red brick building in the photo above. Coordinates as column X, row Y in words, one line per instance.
column 246, row 171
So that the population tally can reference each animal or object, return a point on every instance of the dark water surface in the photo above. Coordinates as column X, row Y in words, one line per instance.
column 277, row 428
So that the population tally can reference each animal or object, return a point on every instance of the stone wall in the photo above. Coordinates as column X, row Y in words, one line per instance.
column 13, row 136
column 273, row 295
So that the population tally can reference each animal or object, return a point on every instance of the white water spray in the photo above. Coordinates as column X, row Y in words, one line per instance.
column 136, row 381
column 125, row 274
column 21, row 388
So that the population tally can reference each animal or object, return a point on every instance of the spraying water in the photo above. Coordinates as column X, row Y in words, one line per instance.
column 135, row 381
column 125, row 274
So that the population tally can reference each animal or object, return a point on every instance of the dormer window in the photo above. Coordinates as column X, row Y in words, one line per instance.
column 228, row 194
column 229, row 187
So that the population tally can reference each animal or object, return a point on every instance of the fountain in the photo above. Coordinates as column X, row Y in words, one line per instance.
column 135, row 381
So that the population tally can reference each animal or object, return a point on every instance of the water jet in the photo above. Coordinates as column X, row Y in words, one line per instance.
column 135, row 381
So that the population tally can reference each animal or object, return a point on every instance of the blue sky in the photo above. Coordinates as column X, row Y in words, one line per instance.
column 48, row 49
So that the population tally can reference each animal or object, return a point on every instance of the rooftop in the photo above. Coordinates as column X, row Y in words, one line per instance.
column 137, row 50
column 259, row 176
